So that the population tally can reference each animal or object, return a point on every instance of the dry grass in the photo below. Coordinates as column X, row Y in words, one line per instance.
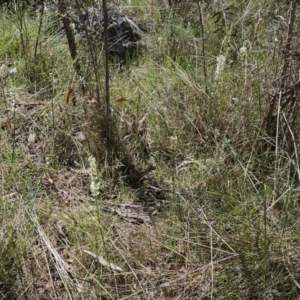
column 208, row 206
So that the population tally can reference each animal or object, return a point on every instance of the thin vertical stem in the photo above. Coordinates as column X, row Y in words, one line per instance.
column 203, row 45
column 39, row 31
column 107, row 88
column 69, row 33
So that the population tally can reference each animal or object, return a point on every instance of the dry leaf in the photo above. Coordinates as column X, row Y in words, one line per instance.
column 70, row 93
column 122, row 100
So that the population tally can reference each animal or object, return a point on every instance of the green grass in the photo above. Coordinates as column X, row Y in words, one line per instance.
column 217, row 215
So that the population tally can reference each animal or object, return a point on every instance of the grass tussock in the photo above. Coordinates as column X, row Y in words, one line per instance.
column 195, row 195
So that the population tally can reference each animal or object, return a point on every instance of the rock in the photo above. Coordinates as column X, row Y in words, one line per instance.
column 124, row 35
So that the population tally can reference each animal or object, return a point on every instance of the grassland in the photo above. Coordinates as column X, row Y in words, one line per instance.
column 196, row 199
